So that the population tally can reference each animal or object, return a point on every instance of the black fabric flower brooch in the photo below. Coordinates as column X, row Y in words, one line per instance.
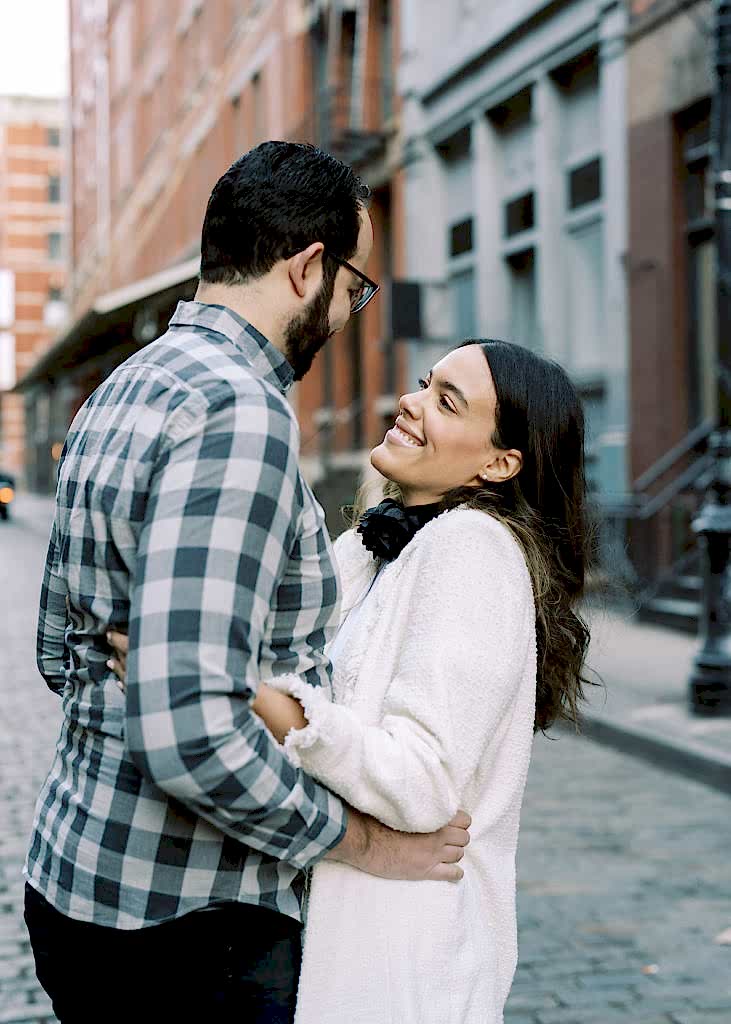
column 387, row 528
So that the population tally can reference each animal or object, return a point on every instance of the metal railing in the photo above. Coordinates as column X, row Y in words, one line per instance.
column 652, row 526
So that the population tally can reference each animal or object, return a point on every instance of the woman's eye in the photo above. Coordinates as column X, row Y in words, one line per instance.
column 422, row 384
column 443, row 402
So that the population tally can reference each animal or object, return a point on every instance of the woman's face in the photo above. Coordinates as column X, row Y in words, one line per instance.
column 442, row 437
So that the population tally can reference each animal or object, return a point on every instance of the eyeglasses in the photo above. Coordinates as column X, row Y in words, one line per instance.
column 362, row 295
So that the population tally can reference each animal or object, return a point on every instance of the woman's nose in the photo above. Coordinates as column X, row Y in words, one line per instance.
column 409, row 404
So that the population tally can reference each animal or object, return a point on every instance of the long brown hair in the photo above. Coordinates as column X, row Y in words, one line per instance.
column 544, row 506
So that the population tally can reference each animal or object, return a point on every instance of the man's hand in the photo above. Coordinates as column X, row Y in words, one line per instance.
column 119, row 642
column 372, row 847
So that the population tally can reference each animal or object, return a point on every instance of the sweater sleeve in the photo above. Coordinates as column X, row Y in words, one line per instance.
column 470, row 618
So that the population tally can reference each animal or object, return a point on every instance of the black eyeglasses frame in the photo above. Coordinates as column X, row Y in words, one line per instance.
column 371, row 287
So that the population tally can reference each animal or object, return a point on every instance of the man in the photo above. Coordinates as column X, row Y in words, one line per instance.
column 166, row 862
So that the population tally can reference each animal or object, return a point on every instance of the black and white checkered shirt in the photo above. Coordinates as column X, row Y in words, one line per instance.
column 181, row 515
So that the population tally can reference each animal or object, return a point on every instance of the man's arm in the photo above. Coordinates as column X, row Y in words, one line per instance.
column 366, row 844
column 221, row 518
column 376, row 849
column 52, row 620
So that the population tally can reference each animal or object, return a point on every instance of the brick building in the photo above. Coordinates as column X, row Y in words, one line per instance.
column 671, row 265
column 32, row 238
column 671, row 279
column 163, row 98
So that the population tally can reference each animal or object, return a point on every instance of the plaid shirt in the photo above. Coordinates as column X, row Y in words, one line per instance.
column 181, row 515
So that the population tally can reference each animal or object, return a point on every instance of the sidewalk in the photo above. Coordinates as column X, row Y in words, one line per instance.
column 643, row 707
column 34, row 511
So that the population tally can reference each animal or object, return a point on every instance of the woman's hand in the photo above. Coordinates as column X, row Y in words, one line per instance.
column 119, row 642
column 278, row 710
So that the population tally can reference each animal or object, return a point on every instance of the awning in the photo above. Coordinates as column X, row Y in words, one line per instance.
column 111, row 315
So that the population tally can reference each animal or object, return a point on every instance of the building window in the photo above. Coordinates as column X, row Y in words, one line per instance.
column 53, row 136
column 584, row 184
column 696, row 188
column 513, row 125
column 7, row 298
column 7, row 360
column 458, row 206
column 240, row 132
column 519, row 215
column 583, row 225
column 386, row 41
column 585, row 297
column 513, row 133
column 578, row 88
column 456, row 154
column 257, row 103
column 54, row 312
column 462, row 291
column 593, row 402
column 54, row 245
column 54, row 189
column 694, row 139
column 123, row 156
column 122, row 32
column 460, row 237
column 523, row 312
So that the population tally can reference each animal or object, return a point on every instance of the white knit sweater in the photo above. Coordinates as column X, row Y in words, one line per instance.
column 434, row 708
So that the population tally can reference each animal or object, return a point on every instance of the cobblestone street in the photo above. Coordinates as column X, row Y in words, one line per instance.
column 623, row 886
column 29, row 718
column 623, row 869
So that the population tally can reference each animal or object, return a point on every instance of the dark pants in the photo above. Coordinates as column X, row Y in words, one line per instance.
column 235, row 963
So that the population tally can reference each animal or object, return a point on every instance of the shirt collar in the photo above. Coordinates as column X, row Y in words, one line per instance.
column 264, row 358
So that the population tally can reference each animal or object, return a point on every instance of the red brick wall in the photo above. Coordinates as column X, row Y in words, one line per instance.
column 27, row 217
column 159, row 182
column 657, row 296
column 152, row 116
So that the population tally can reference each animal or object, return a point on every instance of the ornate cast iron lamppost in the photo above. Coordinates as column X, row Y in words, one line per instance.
column 710, row 681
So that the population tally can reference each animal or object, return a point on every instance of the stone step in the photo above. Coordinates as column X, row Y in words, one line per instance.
column 688, row 587
column 675, row 612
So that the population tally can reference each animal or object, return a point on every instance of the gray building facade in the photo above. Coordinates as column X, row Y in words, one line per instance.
column 515, row 141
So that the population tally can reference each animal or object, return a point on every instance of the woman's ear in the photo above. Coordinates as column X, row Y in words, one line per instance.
column 503, row 466
column 305, row 270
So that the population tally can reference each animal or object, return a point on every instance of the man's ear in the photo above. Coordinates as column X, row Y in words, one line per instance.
column 305, row 270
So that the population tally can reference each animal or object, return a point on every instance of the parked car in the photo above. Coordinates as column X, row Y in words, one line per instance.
column 7, row 493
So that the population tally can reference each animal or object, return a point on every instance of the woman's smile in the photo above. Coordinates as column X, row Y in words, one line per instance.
column 399, row 435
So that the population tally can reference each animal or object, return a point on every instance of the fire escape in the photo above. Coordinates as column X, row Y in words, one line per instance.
column 349, row 109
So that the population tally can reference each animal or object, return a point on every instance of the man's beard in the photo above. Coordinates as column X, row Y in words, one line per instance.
column 306, row 334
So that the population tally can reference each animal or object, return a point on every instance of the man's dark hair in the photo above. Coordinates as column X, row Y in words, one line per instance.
column 274, row 201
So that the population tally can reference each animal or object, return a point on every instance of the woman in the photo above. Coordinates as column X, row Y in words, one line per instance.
column 458, row 639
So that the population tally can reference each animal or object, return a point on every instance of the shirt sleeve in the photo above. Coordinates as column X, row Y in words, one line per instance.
column 52, row 620
column 469, row 608
column 222, row 514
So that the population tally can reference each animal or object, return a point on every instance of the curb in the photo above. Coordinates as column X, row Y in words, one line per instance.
column 688, row 759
